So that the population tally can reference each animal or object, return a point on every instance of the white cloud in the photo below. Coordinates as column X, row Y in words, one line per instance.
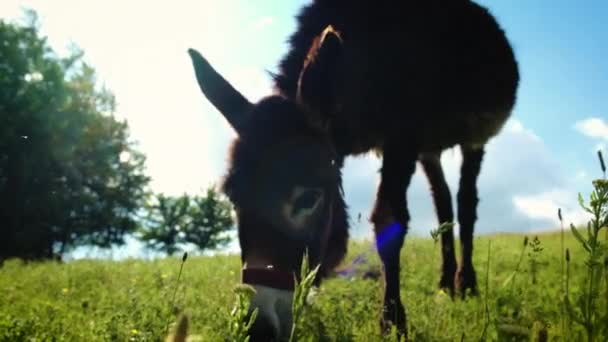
column 515, row 126
column 544, row 206
column 593, row 127
column 521, row 185
column 263, row 22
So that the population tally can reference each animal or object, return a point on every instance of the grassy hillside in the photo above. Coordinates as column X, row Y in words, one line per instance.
column 131, row 300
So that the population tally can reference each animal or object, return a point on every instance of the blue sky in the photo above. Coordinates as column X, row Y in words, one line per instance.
column 543, row 157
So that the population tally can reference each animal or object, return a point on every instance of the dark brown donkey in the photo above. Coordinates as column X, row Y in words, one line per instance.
column 362, row 75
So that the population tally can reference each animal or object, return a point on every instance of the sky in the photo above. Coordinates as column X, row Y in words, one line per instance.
column 544, row 156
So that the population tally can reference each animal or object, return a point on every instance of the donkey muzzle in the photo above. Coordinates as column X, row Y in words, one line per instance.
column 273, row 299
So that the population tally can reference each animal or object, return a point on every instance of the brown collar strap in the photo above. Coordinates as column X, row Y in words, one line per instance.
column 269, row 277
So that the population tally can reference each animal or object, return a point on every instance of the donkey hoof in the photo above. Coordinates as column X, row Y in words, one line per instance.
column 466, row 281
column 447, row 286
column 446, row 282
column 393, row 316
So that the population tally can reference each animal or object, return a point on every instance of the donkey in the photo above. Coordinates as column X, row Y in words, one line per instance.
column 361, row 75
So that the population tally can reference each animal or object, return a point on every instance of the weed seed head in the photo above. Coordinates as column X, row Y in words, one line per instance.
column 601, row 184
column 245, row 289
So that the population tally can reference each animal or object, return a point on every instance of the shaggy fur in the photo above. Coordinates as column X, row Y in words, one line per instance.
column 274, row 123
column 440, row 72
column 407, row 79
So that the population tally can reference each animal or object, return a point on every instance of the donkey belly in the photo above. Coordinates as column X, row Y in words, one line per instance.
column 430, row 133
column 472, row 129
column 450, row 105
column 429, row 102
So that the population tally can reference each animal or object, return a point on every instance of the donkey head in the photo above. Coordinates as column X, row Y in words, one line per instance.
column 283, row 178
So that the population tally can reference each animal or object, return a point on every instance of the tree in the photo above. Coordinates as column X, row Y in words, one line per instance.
column 167, row 219
column 212, row 218
column 69, row 175
column 203, row 221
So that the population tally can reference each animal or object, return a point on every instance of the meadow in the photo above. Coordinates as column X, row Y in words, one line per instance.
column 91, row 300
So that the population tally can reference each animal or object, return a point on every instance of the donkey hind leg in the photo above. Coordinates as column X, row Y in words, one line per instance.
column 390, row 218
column 443, row 206
column 467, row 215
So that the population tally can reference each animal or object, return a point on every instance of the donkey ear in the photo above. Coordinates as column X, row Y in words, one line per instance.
column 234, row 106
column 319, row 77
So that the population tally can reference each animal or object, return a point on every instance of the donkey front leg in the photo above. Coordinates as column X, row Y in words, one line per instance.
column 390, row 218
column 467, row 215
column 443, row 206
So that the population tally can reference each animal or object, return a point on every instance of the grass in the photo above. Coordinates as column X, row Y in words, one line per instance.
column 131, row 300
column 586, row 308
column 561, row 293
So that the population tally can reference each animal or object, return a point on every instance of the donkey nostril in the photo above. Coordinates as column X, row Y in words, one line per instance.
column 306, row 200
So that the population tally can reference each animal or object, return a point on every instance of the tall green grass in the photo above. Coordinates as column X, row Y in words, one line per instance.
column 130, row 300
column 589, row 306
column 554, row 286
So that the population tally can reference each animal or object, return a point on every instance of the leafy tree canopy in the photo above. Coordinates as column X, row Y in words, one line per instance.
column 203, row 221
column 69, row 175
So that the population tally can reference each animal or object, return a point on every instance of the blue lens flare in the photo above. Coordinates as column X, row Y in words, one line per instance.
column 388, row 234
column 391, row 232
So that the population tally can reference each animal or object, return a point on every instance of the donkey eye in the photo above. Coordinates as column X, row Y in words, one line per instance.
column 306, row 200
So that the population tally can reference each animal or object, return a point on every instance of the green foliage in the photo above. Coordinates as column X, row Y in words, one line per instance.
column 511, row 278
column 443, row 228
column 167, row 217
column 487, row 294
column 240, row 319
column 511, row 325
column 130, row 300
column 301, row 297
column 211, row 218
column 590, row 306
column 203, row 221
column 533, row 258
column 68, row 173
column 127, row 300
